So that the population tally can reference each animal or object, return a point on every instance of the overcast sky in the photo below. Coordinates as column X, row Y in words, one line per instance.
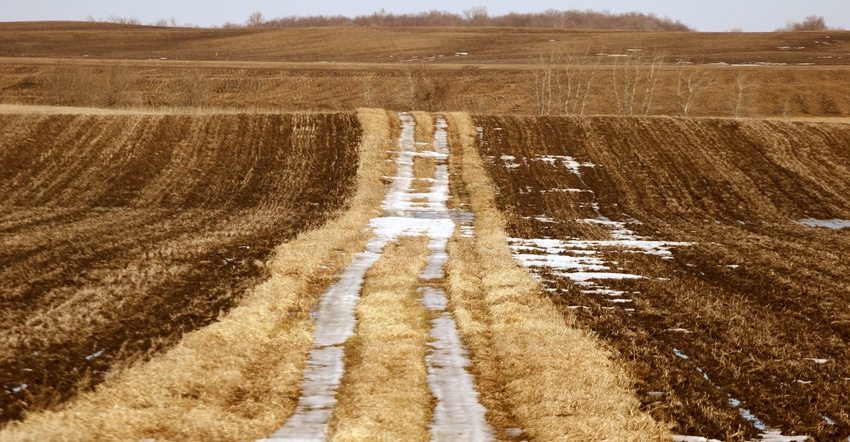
column 703, row 15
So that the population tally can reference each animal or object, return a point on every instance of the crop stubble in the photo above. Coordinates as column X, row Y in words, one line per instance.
column 121, row 233
column 757, row 302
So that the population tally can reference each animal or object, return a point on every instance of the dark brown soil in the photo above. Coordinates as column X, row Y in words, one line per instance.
column 762, row 299
column 121, row 233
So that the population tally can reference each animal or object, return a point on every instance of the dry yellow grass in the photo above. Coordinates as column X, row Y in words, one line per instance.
column 552, row 380
column 240, row 377
column 423, row 172
column 424, row 131
column 384, row 393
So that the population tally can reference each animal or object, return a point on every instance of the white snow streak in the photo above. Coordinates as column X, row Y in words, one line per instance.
column 458, row 414
column 836, row 224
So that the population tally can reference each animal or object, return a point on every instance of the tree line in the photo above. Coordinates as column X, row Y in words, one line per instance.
column 478, row 16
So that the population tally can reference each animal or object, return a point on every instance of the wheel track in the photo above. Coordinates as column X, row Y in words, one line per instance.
column 457, row 415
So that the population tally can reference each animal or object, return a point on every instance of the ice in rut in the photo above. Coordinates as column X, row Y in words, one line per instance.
column 457, row 415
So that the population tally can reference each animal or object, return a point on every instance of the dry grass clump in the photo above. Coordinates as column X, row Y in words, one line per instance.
column 424, row 131
column 238, row 378
column 384, row 394
column 423, row 171
column 557, row 382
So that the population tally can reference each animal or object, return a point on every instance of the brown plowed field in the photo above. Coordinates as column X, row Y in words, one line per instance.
column 483, row 70
column 758, row 303
column 122, row 232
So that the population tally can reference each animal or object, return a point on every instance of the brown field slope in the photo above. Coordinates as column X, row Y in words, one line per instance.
column 753, row 315
column 122, row 232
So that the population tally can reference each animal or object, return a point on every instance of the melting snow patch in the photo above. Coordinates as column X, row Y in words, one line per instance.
column 582, row 261
column 828, row 223
column 94, row 355
column 767, row 433
column 692, row 439
column 678, row 330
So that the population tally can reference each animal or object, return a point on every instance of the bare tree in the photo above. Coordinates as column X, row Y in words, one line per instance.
column 255, row 19
column 655, row 62
column 738, row 97
column 690, row 83
column 546, row 83
column 579, row 77
column 476, row 14
column 634, row 80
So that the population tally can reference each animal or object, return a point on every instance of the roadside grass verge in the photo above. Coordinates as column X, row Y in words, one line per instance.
column 384, row 393
column 240, row 377
column 555, row 382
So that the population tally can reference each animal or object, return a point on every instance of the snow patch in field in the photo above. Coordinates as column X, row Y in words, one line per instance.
column 692, row 439
column 768, row 433
column 582, row 261
column 836, row 224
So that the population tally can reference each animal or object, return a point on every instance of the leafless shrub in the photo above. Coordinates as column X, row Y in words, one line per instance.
column 123, row 20
column 115, row 86
column 562, row 82
column 163, row 22
column 810, row 23
column 192, row 90
column 67, row 86
column 368, row 93
column 419, row 89
column 109, row 85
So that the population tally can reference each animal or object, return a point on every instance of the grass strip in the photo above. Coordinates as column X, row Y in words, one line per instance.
column 535, row 370
column 384, row 394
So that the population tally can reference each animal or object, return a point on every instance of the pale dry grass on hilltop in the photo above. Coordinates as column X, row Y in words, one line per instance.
column 384, row 394
column 238, row 378
column 557, row 382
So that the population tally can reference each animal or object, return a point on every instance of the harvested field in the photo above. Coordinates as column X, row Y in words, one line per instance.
column 178, row 245
column 121, row 233
column 482, row 70
column 740, row 329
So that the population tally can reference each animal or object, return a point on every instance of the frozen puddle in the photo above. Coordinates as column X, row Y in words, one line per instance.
column 458, row 415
